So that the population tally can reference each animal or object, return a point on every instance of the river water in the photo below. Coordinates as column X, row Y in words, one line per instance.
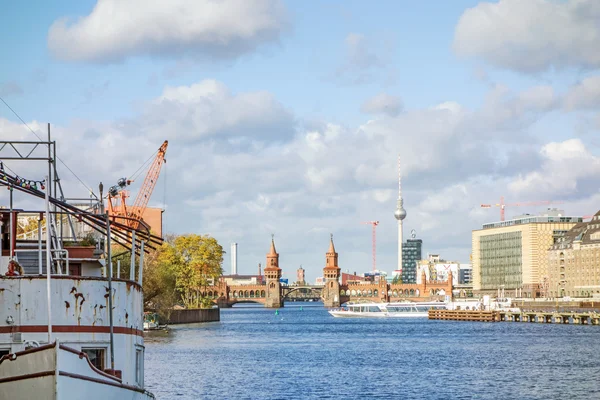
column 304, row 353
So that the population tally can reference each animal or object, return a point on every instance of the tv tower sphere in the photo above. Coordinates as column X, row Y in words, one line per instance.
column 400, row 212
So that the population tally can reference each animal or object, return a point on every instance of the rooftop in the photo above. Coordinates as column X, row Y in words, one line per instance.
column 551, row 215
column 583, row 232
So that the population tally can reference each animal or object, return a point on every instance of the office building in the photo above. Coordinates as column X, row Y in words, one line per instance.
column 513, row 254
column 411, row 254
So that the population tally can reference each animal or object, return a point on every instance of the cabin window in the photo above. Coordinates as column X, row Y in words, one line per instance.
column 96, row 357
column 75, row 269
column 139, row 367
column 4, row 352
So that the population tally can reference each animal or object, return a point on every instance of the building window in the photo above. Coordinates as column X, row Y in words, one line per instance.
column 96, row 357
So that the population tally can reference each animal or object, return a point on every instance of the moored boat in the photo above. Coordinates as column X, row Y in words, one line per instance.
column 69, row 329
column 387, row 310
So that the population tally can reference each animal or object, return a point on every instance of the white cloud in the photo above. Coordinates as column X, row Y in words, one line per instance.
column 567, row 169
column 584, row 95
column 227, row 175
column 118, row 29
column 531, row 36
column 382, row 103
column 209, row 109
column 366, row 61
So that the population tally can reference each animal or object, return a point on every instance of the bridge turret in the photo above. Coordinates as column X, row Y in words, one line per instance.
column 274, row 298
column 331, row 274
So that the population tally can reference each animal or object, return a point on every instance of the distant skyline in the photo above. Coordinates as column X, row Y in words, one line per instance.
column 287, row 117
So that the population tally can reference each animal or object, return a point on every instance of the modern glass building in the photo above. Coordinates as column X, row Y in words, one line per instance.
column 411, row 254
column 513, row 255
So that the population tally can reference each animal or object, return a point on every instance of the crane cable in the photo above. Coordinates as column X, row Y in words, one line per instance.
column 143, row 166
column 40, row 139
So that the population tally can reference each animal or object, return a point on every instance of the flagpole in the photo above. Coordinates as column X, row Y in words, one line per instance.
column 48, row 259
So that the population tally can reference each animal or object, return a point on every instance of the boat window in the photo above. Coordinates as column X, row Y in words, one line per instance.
column 4, row 352
column 374, row 309
column 96, row 357
column 75, row 269
column 139, row 367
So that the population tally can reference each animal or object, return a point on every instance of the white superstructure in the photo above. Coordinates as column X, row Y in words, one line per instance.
column 59, row 339
column 405, row 309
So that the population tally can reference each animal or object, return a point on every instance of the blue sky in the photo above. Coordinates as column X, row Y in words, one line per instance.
column 290, row 118
column 298, row 69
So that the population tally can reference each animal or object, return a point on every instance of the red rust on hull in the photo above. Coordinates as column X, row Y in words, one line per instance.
column 70, row 329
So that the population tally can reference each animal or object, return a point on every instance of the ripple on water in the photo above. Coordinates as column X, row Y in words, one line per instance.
column 254, row 354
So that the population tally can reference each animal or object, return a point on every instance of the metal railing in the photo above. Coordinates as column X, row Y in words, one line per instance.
column 63, row 255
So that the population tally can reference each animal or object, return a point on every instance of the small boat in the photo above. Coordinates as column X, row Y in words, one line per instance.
column 405, row 309
column 151, row 322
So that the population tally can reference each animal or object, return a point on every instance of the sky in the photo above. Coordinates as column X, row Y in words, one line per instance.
column 288, row 117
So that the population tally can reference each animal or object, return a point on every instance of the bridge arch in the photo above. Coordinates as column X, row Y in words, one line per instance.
column 302, row 291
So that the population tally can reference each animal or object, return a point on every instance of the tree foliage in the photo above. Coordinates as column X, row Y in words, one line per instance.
column 196, row 262
column 179, row 271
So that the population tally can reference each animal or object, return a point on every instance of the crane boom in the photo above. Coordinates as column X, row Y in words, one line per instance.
column 374, row 238
column 143, row 196
column 117, row 195
column 503, row 205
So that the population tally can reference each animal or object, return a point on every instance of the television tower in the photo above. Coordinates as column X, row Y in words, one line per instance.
column 400, row 214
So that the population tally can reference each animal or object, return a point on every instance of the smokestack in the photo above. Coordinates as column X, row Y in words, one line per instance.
column 233, row 258
column 259, row 273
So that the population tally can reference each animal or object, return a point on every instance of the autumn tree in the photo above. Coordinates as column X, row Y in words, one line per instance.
column 195, row 262
column 177, row 272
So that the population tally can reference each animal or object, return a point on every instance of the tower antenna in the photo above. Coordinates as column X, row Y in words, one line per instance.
column 400, row 214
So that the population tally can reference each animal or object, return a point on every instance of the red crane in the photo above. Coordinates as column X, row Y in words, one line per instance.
column 117, row 206
column 503, row 205
column 374, row 225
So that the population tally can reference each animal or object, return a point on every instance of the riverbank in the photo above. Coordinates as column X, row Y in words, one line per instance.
column 191, row 316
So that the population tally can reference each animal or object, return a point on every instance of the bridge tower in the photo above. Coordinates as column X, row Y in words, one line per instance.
column 331, row 273
column 272, row 276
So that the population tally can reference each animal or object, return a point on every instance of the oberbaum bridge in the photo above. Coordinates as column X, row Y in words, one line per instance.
column 272, row 293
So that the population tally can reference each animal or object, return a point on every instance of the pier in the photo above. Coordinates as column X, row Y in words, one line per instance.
column 561, row 317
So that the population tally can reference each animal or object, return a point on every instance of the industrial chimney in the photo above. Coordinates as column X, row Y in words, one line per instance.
column 234, row 259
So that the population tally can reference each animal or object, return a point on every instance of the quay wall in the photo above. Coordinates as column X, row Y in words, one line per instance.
column 191, row 316
column 561, row 306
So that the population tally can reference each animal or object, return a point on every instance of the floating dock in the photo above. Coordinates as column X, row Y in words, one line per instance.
column 562, row 317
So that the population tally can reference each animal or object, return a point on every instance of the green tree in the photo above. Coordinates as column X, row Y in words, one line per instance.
column 160, row 294
column 397, row 279
column 195, row 261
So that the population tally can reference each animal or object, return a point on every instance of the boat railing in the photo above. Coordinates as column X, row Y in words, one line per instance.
column 61, row 255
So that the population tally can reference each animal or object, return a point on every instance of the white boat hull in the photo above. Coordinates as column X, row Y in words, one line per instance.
column 351, row 314
column 387, row 310
column 56, row 372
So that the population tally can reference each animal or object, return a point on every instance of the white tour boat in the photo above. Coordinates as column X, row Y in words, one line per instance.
column 71, row 331
column 404, row 309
